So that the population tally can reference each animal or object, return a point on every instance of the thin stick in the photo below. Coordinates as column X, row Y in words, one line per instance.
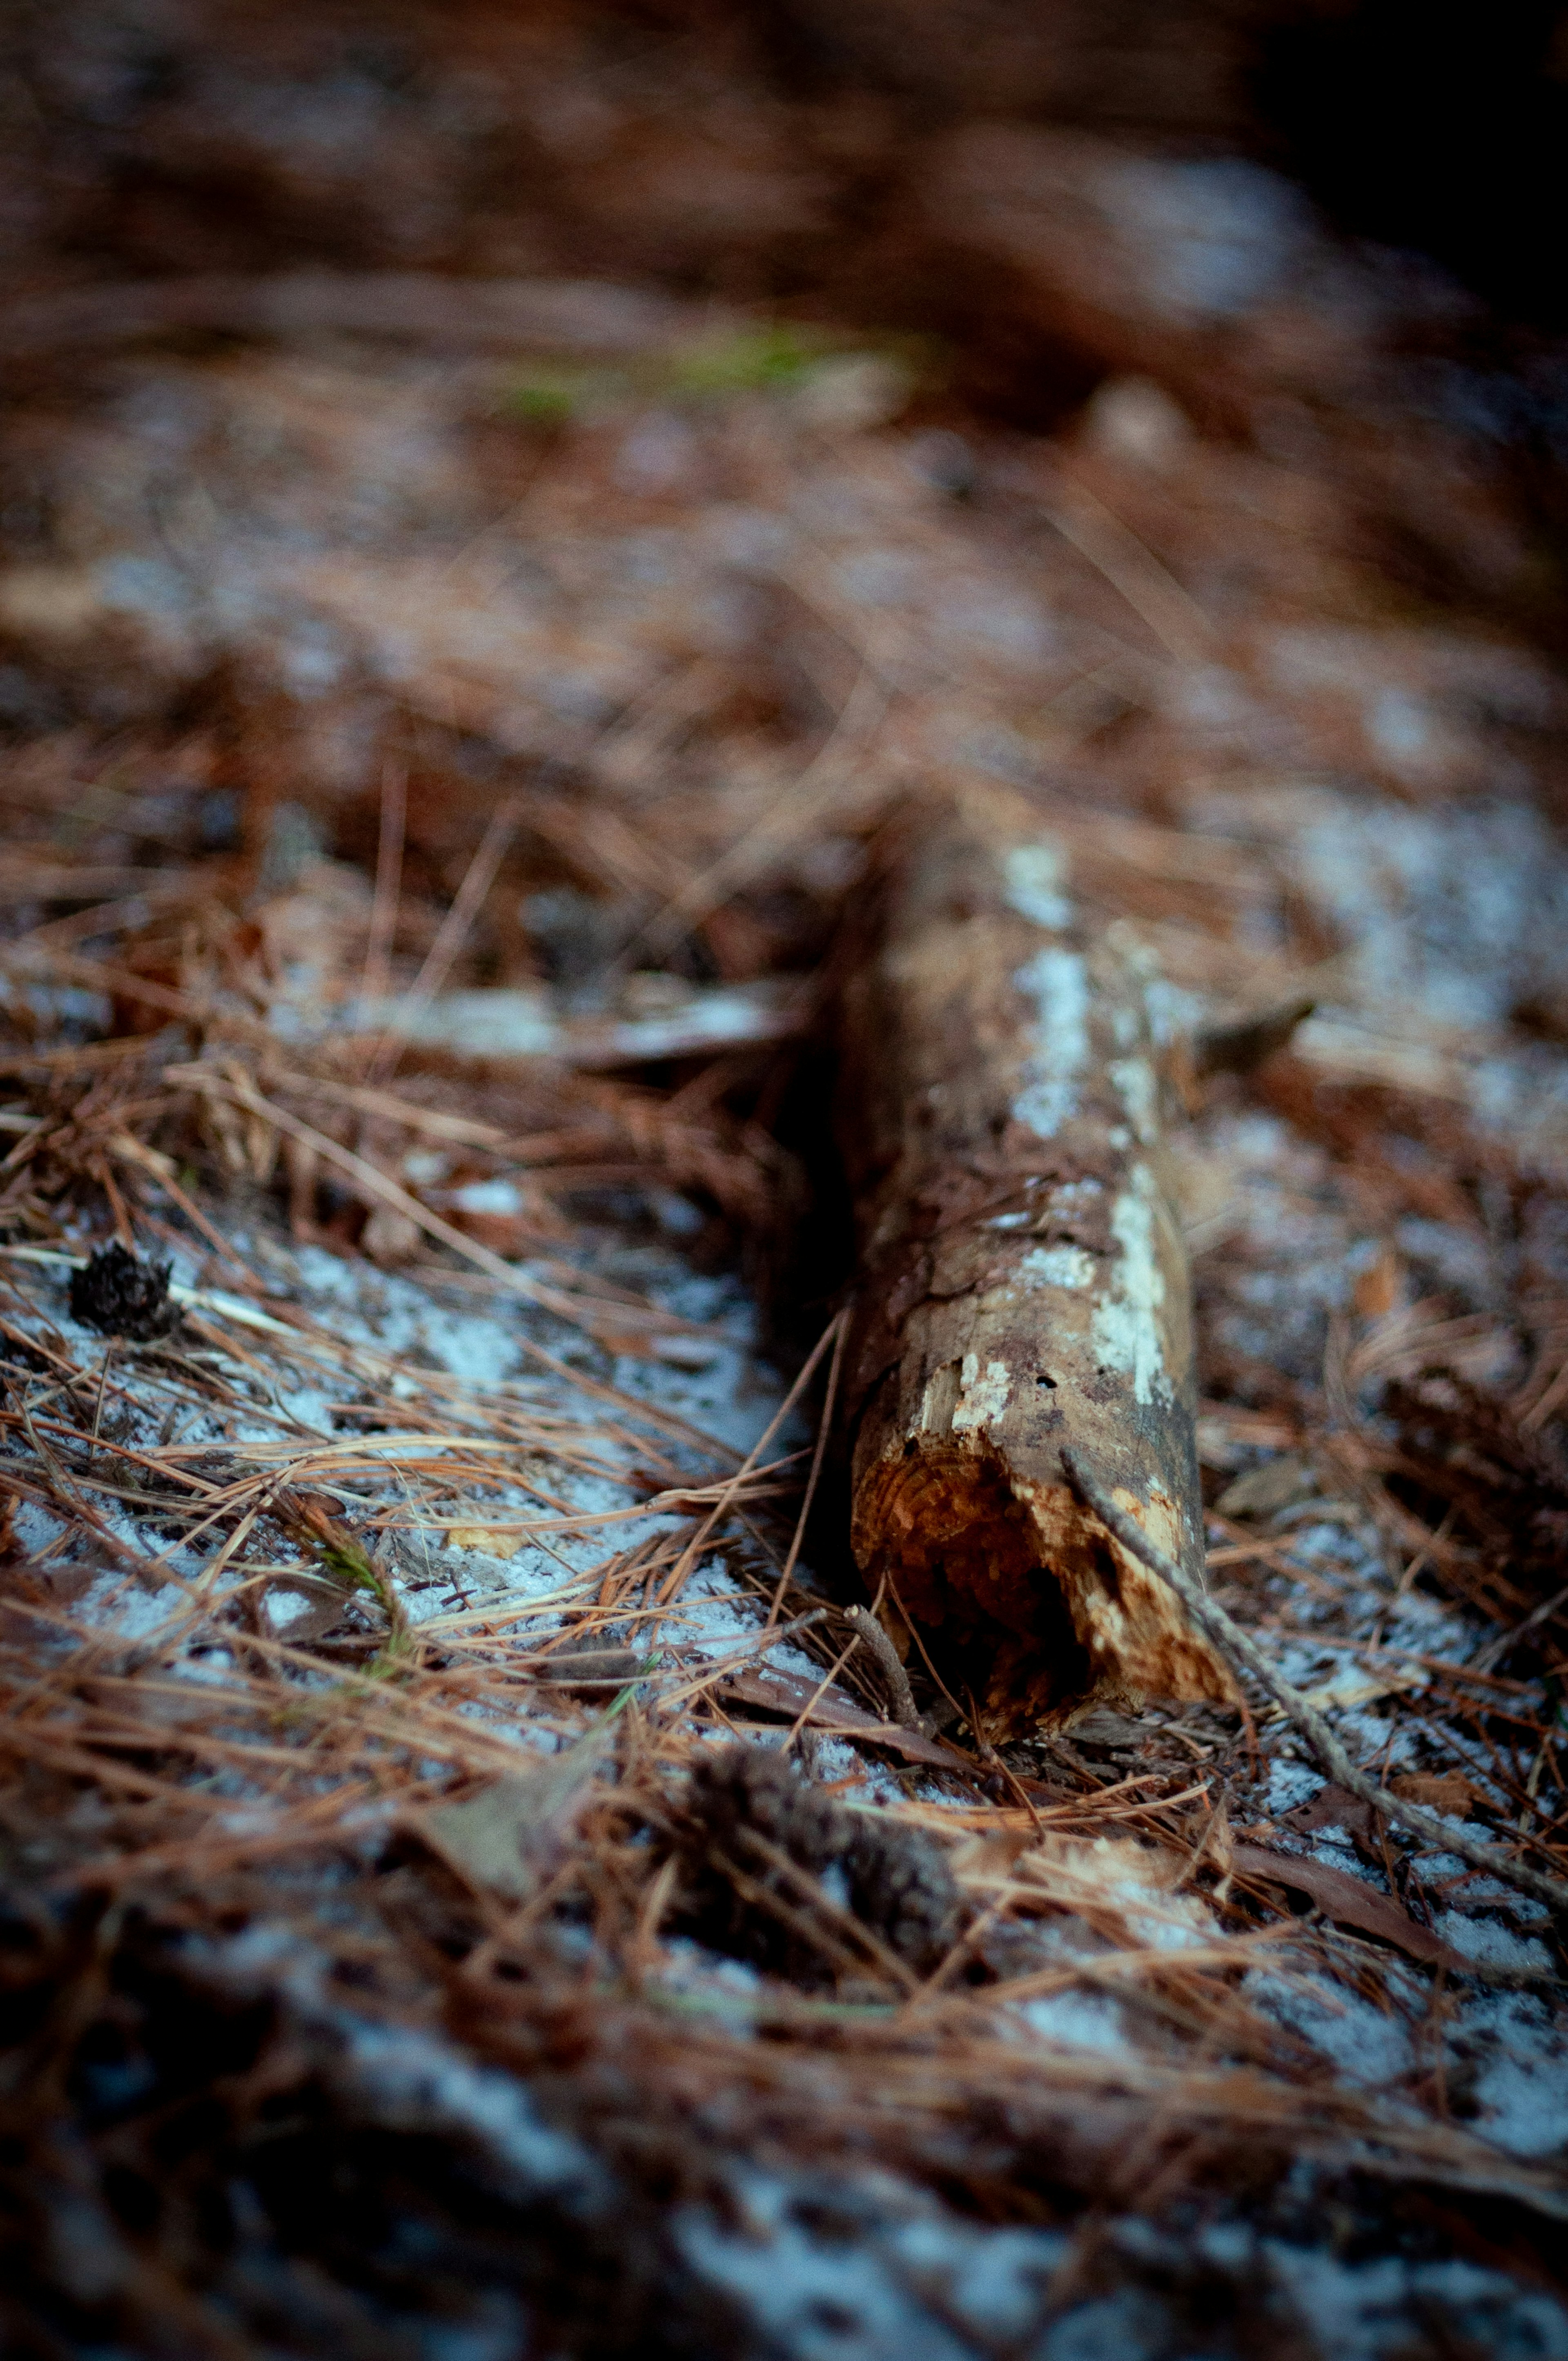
column 1244, row 1655
column 822, row 1434
column 699, row 1540
column 868, row 1629
column 820, row 1691
column 98, row 1412
column 451, row 937
column 914, row 1630
column 1133, row 570
column 388, row 881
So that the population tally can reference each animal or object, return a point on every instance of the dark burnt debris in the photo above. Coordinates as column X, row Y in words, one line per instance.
column 751, row 1817
column 120, row 1295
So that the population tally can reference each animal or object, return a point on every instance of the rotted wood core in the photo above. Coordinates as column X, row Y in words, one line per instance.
column 1023, row 1283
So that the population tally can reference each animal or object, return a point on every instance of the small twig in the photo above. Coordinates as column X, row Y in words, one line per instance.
column 388, row 881
column 995, row 1765
column 699, row 1540
column 824, row 1428
column 1244, row 1655
column 914, row 1630
column 906, row 1712
column 98, row 1411
column 820, row 1691
column 760, row 1645
column 450, row 939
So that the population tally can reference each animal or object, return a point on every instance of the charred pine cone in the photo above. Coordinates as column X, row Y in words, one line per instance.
column 746, row 1803
column 120, row 1295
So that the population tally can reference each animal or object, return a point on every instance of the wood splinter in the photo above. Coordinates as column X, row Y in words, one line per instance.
column 1023, row 1283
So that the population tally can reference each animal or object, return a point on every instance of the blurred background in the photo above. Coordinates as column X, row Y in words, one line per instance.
column 776, row 154
column 767, row 151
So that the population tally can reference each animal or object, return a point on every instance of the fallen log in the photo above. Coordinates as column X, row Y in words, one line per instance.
column 1023, row 1284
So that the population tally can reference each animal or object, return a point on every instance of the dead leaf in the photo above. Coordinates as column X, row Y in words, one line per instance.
column 496, row 1542
column 1265, row 1489
column 1350, row 1686
column 1336, row 1808
column 1344, row 1898
column 1376, row 1289
column 508, row 1836
column 1441, row 1791
column 788, row 1694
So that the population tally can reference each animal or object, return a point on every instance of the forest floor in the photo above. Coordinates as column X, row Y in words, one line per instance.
column 443, row 740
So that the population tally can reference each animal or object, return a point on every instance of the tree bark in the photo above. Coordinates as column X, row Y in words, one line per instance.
column 1023, row 1282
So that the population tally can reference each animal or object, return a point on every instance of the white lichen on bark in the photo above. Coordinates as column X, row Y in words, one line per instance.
column 1023, row 1284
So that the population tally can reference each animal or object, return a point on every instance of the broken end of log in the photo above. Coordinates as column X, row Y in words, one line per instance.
column 1022, row 1591
column 1138, row 1640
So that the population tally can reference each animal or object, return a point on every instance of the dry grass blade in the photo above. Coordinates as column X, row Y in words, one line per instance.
column 1149, row 588
column 477, row 879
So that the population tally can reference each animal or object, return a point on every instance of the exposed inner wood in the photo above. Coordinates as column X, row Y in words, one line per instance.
column 1024, row 1282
